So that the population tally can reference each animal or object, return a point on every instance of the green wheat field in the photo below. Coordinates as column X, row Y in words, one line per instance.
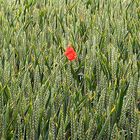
column 44, row 96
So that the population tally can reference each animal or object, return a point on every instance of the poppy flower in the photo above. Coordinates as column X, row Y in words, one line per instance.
column 70, row 53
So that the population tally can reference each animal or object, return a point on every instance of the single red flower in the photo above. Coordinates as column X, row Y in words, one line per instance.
column 70, row 53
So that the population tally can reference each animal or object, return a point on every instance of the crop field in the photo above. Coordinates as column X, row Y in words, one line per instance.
column 69, row 69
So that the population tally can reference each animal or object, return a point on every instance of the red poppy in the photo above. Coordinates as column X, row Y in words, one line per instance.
column 70, row 53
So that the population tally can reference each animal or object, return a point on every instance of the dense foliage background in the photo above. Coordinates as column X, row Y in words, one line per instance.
column 45, row 96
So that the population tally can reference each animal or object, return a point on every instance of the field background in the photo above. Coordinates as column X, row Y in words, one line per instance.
column 43, row 96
